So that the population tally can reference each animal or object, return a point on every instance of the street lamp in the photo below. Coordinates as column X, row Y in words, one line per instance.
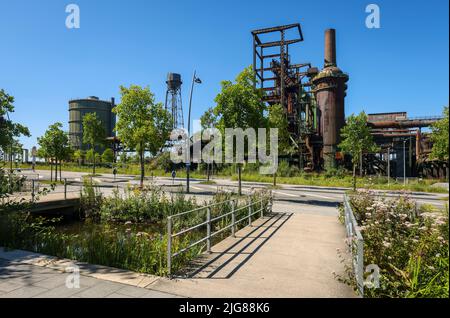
column 389, row 164
column 10, row 147
column 195, row 79
column 404, row 162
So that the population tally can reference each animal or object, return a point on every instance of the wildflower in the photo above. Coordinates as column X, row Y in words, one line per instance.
column 386, row 244
column 128, row 223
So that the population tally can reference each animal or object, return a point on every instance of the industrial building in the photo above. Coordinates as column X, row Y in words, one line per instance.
column 404, row 147
column 313, row 99
column 314, row 103
column 80, row 107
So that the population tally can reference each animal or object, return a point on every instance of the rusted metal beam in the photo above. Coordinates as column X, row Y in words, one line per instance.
column 277, row 28
column 278, row 43
column 402, row 123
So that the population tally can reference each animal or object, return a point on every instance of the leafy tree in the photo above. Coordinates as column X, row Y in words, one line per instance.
column 108, row 155
column 208, row 119
column 92, row 156
column 8, row 129
column 54, row 145
column 277, row 119
column 93, row 133
column 356, row 139
column 239, row 105
column 439, row 137
column 78, row 156
column 143, row 124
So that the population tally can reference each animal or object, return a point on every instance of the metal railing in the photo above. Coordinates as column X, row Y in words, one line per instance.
column 263, row 204
column 355, row 244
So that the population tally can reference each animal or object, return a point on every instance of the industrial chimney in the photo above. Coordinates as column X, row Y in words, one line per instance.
column 330, row 48
column 330, row 91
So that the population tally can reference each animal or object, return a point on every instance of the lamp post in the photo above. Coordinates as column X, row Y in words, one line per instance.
column 404, row 162
column 10, row 147
column 389, row 164
column 195, row 79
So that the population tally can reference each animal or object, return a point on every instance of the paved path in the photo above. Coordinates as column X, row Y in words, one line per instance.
column 21, row 280
column 292, row 253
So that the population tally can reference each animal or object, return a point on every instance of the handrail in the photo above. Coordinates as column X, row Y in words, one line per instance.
column 209, row 234
column 353, row 234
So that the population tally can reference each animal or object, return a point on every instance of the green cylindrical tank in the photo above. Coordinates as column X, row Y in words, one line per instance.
column 80, row 107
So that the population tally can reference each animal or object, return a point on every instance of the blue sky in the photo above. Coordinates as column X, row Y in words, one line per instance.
column 403, row 66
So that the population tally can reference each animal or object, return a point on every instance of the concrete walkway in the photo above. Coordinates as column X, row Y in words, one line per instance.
column 292, row 253
column 21, row 280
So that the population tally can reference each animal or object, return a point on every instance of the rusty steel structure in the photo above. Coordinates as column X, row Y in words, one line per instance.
column 397, row 135
column 330, row 90
column 313, row 100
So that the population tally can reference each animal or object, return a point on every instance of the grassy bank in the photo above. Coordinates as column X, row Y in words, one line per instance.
column 375, row 183
column 312, row 179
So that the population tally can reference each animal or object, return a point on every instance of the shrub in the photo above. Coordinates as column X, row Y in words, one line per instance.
column 409, row 247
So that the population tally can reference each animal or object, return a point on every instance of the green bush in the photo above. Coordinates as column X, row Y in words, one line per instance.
column 409, row 247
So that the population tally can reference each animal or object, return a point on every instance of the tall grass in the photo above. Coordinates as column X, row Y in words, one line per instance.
column 127, row 231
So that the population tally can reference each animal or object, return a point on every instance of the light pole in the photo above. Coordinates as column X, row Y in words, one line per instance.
column 389, row 164
column 10, row 147
column 404, row 162
column 195, row 79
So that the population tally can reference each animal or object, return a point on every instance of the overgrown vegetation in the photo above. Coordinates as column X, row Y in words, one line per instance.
column 126, row 231
column 409, row 245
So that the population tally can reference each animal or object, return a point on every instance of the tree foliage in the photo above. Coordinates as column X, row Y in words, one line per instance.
column 54, row 144
column 357, row 139
column 143, row 124
column 8, row 129
column 439, row 137
column 108, row 155
column 93, row 134
column 277, row 119
column 239, row 104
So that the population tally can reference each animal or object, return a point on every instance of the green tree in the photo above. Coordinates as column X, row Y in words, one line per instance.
column 8, row 129
column 143, row 124
column 239, row 105
column 92, row 156
column 277, row 119
column 356, row 139
column 108, row 155
column 78, row 156
column 54, row 145
column 439, row 137
column 93, row 133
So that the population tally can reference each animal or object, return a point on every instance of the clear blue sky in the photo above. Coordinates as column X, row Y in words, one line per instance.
column 401, row 67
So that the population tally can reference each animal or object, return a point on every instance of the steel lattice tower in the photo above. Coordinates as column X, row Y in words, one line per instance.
column 173, row 99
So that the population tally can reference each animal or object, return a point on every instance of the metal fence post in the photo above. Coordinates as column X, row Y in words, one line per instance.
column 233, row 219
column 32, row 190
column 169, row 246
column 360, row 266
column 262, row 208
column 208, row 229
column 250, row 212
column 65, row 188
